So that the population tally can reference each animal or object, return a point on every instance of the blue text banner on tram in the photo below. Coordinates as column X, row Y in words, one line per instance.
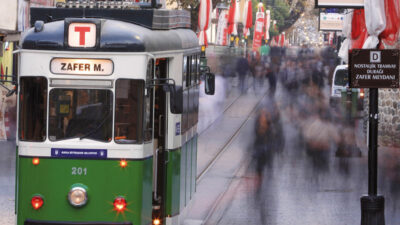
column 79, row 153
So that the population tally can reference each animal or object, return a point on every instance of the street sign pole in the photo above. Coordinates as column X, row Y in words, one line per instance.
column 373, row 143
column 373, row 205
column 373, row 69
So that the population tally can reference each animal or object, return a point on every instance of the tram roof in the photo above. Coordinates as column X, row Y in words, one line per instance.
column 115, row 36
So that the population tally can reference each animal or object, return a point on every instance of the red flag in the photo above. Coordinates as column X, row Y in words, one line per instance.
column 249, row 21
column 359, row 31
column 231, row 19
column 390, row 34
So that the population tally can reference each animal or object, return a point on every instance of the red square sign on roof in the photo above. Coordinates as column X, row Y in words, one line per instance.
column 82, row 35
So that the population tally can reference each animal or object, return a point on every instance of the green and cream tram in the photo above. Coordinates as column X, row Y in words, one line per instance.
column 108, row 107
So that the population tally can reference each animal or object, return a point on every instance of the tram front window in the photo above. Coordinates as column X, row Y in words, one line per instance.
column 80, row 113
column 33, row 109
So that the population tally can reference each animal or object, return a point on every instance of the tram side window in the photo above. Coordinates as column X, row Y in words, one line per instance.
column 185, row 100
column 129, row 111
column 33, row 109
column 194, row 74
column 198, row 69
column 184, row 72
column 149, row 103
column 188, row 71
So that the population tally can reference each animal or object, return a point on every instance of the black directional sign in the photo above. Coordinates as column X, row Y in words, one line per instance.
column 370, row 68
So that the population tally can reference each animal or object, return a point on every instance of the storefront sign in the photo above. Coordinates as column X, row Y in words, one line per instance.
column 339, row 3
column 331, row 21
column 81, row 66
column 374, row 68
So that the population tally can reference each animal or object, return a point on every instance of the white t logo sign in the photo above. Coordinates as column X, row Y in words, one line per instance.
column 82, row 31
column 82, row 35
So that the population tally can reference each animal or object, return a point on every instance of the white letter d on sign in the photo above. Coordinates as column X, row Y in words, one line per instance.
column 375, row 56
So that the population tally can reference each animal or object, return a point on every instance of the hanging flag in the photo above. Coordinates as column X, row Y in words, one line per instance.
column 222, row 29
column 267, row 24
column 236, row 17
column 282, row 39
column 331, row 37
column 205, row 11
column 375, row 21
column 258, row 28
column 359, row 31
column 231, row 18
column 390, row 35
column 346, row 30
column 277, row 38
column 247, row 17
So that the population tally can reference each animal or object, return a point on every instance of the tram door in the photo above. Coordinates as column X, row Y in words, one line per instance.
column 160, row 121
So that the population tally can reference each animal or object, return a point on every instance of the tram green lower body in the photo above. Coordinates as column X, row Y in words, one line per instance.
column 105, row 180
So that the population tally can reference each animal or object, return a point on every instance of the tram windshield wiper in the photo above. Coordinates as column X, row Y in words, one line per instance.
column 96, row 128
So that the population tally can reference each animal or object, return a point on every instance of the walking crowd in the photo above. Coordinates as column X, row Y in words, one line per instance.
column 303, row 76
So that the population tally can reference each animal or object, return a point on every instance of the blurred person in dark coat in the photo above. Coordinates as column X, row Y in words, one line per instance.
column 242, row 68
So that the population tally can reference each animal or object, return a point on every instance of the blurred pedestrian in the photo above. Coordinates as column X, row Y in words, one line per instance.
column 242, row 68
column 271, row 76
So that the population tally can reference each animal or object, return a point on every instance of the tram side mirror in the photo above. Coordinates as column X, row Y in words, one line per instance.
column 209, row 84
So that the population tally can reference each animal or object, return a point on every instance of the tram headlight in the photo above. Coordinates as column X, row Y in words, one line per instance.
column 77, row 196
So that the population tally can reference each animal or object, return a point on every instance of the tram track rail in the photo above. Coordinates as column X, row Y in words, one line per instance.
column 223, row 112
column 230, row 139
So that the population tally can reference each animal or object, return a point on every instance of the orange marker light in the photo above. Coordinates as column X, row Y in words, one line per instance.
column 156, row 222
column 37, row 202
column 35, row 161
column 119, row 204
column 123, row 163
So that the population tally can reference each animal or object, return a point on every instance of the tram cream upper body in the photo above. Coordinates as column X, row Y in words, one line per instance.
column 125, row 65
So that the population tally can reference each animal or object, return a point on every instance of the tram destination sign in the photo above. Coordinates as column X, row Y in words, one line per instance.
column 72, row 66
column 374, row 68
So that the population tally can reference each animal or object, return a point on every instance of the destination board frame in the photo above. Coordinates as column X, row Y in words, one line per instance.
column 374, row 68
column 339, row 4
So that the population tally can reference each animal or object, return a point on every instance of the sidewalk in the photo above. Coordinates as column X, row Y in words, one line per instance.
column 7, row 182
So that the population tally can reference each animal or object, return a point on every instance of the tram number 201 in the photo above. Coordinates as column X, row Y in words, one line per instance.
column 79, row 171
